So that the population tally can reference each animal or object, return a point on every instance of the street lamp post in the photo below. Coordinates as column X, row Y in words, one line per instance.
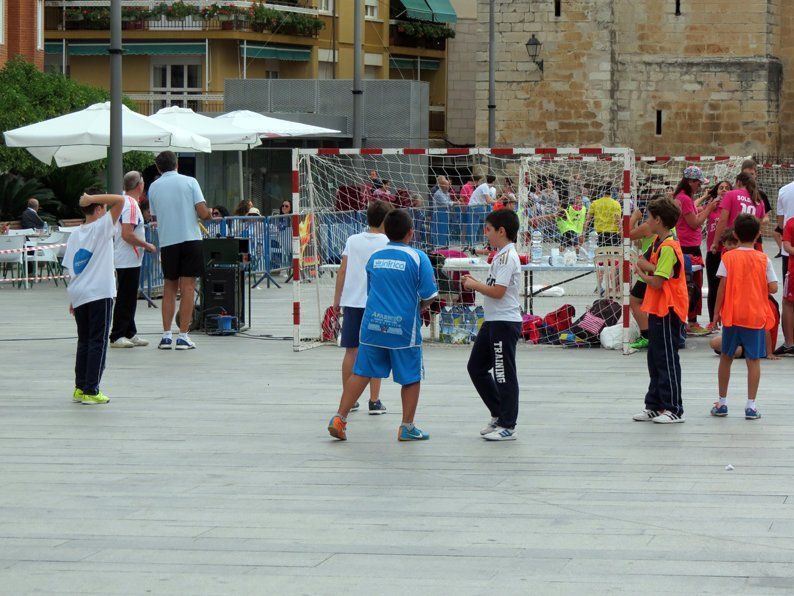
column 491, row 75
column 115, row 166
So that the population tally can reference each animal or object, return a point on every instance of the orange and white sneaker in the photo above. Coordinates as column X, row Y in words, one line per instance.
column 337, row 427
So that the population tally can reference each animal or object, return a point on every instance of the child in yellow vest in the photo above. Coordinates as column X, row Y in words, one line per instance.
column 666, row 302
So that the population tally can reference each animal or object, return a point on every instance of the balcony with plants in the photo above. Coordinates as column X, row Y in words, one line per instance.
column 420, row 34
column 297, row 17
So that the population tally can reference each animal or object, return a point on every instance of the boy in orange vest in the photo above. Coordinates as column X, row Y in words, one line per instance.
column 747, row 279
column 666, row 302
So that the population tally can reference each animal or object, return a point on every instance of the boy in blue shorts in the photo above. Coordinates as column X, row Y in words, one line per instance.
column 401, row 283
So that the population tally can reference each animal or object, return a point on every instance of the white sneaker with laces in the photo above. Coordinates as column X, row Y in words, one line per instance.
column 122, row 342
column 139, row 341
column 668, row 418
column 492, row 426
column 501, row 434
column 184, row 343
column 645, row 416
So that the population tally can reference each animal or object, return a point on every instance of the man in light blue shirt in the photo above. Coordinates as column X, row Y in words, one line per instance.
column 400, row 283
column 176, row 203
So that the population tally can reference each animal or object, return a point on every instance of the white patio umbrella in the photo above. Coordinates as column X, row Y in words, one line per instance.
column 223, row 135
column 272, row 127
column 269, row 127
column 84, row 136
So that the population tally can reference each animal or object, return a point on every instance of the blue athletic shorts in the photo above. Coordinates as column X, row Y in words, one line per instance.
column 405, row 365
column 351, row 326
column 752, row 340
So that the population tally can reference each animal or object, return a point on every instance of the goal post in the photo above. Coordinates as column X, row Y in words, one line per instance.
column 331, row 189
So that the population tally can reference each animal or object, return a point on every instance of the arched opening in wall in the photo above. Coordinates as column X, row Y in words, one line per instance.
column 658, row 122
column 678, row 8
column 557, row 8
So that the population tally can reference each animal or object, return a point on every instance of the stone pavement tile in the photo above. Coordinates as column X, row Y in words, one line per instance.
column 203, row 557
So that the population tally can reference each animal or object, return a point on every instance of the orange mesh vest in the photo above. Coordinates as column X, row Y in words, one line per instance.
column 746, row 292
column 673, row 293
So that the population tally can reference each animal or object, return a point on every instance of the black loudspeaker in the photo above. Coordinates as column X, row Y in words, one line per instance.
column 224, row 251
column 222, row 292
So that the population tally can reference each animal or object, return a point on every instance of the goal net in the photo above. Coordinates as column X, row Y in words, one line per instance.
column 574, row 281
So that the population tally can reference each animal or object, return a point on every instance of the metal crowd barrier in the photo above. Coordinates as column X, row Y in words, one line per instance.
column 269, row 240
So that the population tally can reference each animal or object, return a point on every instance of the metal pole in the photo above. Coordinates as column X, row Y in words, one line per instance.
column 357, row 92
column 245, row 58
column 491, row 75
column 116, row 173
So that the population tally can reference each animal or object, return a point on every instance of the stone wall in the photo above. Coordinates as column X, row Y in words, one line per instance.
column 716, row 73
column 461, row 78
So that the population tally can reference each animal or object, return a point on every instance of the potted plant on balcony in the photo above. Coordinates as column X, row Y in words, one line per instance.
column 229, row 15
column 422, row 34
column 132, row 17
column 263, row 18
column 176, row 15
column 96, row 18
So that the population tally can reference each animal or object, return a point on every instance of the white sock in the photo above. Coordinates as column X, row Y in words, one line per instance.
column 750, row 405
column 723, row 401
column 408, row 425
column 183, row 335
column 166, row 335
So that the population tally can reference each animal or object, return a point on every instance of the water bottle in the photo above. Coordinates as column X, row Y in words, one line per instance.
column 590, row 247
column 569, row 257
column 537, row 247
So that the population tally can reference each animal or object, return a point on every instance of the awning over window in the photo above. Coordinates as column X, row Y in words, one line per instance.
column 411, row 64
column 443, row 12
column 253, row 50
column 130, row 49
column 417, row 9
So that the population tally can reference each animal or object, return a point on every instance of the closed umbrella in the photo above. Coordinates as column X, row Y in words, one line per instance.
column 84, row 136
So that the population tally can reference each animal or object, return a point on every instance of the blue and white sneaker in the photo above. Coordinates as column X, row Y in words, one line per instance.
column 501, row 434
column 166, row 343
column 750, row 414
column 185, row 343
column 719, row 411
column 414, row 434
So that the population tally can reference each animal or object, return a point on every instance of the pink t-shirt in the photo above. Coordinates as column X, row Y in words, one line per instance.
column 687, row 236
column 738, row 201
column 711, row 225
column 465, row 193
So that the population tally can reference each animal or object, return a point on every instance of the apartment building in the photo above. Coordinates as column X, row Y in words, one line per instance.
column 22, row 30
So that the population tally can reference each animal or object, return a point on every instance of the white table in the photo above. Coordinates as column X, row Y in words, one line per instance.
column 580, row 270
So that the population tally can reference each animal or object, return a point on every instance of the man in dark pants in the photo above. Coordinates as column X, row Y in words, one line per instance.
column 129, row 243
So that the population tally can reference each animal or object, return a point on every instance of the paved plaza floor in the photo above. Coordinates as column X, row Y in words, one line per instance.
column 211, row 472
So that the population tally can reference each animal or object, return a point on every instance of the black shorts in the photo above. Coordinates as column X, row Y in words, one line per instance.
column 609, row 239
column 351, row 326
column 185, row 259
column 638, row 290
column 569, row 239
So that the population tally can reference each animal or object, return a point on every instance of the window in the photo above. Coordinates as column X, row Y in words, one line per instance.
column 678, row 8
column 658, row 122
column 371, row 72
column 39, row 24
column 557, row 8
column 325, row 70
column 371, row 9
column 174, row 82
column 327, row 6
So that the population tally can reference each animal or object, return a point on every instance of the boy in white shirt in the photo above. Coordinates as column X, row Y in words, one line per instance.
column 495, row 346
column 485, row 193
column 351, row 293
column 89, row 260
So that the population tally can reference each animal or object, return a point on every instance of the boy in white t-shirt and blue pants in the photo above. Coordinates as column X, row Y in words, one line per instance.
column 89, row 260
column 351, row 293
column 495, row 346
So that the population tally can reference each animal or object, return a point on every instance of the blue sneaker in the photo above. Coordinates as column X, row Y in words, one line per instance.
column 166, row 343
column 719, row 411
column 750, row 414
column 185, row 344
column 415, row 434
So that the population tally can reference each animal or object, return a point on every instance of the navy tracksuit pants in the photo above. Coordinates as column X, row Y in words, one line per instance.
column 93, row 327
column 494, row 350
column 664, row 367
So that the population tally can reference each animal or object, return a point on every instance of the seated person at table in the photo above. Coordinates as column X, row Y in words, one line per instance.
column 30, row 218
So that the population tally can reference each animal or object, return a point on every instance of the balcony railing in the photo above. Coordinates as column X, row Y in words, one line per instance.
column 292, row 18
column 148, row 103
